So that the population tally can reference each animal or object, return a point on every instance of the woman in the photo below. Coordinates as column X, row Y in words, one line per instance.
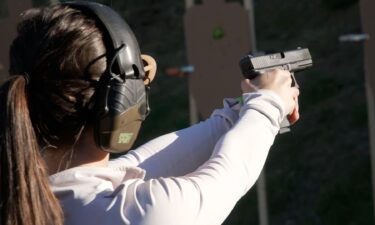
column 52, row 172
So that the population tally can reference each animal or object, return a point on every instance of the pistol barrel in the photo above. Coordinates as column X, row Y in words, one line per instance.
column 293, row 61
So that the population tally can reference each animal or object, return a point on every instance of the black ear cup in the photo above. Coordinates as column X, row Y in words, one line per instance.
column 121, row 101
column 120, row 114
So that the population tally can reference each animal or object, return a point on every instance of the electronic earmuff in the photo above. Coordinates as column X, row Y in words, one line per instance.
column 121, row 98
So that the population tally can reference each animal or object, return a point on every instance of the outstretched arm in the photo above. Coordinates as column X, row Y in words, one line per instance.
column 181, row 152
column 207, row 195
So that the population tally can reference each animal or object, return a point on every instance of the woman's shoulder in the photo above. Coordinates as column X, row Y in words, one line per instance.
column 86, row 175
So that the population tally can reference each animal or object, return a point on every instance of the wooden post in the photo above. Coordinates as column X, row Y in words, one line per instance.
column 261, row 183
column 188, row 4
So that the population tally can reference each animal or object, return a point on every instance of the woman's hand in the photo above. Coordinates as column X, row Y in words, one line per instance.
column 279, row 81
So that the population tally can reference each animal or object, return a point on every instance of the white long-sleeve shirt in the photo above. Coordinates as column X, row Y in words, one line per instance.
column 192, row 176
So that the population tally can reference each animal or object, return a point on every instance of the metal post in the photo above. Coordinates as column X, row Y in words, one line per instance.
column 371, row 120
column 261, row 183
column 194, row 118
column 367, row 17
column 370, row 95
column 249, row 6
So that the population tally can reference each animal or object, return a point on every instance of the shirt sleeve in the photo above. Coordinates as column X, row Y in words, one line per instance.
column 208, row 194
column 181, row 152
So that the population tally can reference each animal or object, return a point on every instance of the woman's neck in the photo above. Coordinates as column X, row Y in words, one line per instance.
column 84, row 153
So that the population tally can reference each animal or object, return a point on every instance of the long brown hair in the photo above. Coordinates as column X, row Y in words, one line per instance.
column 54, row 63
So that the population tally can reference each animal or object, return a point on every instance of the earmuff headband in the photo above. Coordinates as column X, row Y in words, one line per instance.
column 120, row 33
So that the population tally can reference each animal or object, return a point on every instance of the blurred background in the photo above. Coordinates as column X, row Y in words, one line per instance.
column 318, row 174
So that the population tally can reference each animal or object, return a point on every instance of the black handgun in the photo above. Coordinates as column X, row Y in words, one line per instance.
column 295, row 60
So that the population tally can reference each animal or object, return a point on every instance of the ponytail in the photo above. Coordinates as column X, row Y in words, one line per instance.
column 25, row 194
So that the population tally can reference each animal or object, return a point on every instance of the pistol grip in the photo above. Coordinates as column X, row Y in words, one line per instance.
column 294, row 81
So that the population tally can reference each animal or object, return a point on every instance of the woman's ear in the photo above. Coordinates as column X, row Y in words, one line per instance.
column 149, row 67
